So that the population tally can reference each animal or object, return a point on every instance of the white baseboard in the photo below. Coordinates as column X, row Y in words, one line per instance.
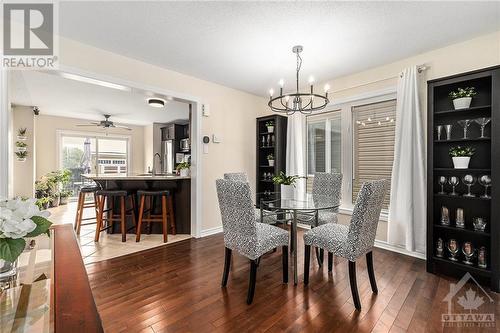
column 386, row 246
column 211, row 231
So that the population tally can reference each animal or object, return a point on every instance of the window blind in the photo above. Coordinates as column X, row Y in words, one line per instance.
column 373, row 144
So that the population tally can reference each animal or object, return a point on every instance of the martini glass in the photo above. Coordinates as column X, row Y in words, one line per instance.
column 482, row 122
column 469, row 180
column 485, row 180
column 465, row 123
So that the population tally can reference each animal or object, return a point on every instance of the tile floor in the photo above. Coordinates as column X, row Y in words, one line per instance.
column 109, row 246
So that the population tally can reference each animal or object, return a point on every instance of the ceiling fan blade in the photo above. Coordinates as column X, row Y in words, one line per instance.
column 122, row 127
column 83, row 125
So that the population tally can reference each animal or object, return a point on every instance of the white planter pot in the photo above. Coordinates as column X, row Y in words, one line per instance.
column 21, row 159
column 21, row 148
column 287, row 191
column 184, row 172
column 461, row 162
column 462, row 103
column 271, row 162
column 22, row 137
column 270, row 129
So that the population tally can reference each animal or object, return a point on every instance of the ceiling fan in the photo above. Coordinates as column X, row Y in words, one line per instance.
column 106, row 123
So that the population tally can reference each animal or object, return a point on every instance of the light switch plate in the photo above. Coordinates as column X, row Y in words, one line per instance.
column 216, row 138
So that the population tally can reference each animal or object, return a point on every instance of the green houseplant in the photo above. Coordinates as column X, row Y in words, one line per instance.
column 21, row 155
column 270, row 159
column 21, row 146
column 461, row 156
column 21, row 133
column 287, row 184
column 64, row 196
column 183, row 169
column 462, row 97
column 270, row 126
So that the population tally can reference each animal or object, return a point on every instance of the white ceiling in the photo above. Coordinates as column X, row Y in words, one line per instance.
column 58, row 96
column 247, row 45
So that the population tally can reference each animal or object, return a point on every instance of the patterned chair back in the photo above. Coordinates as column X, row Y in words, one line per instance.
column 330, row 184
column 236, row 176
column 237, row 212
column 365, row 217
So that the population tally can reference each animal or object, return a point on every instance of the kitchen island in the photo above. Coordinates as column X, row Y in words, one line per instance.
column 179, row 187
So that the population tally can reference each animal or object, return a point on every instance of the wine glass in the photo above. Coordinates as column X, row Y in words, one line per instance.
column 465, row 123
column 482, row 122
column 453, row 181
column 469, row 180
column 485, row 180
column 442, row 181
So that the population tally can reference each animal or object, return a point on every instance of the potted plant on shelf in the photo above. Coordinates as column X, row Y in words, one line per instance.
column 183, row 169
column 64, row 196
column 21, row 146
column 270, row 127
column 270, row 159
column 19, row 221
column 21, row 133
column 462, row 97
column 21, row 155
column 287, row 184
column 461, row 156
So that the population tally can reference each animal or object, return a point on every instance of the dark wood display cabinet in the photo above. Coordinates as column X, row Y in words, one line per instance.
column 270, row 143
column 485, row 161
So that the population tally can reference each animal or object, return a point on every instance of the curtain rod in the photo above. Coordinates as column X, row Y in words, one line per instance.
column 420, row 69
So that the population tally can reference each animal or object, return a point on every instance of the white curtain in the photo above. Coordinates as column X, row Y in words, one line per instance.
column 295, row 150
column 407, row 211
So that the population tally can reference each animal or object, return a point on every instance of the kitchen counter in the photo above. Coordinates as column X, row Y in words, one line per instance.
column 133, row 177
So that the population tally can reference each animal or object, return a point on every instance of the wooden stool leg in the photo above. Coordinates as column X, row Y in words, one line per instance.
column 122, row 219
column 164, row 217
column 132, row 202
column 139, row 223
column 171, row 214
column 101, row 200
column 96, row 205
column 79, row 212
column 148, row 216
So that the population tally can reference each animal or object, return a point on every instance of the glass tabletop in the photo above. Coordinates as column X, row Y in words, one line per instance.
column 298, row 201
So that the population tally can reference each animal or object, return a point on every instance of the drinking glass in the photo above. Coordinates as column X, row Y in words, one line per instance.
column 442, row 181
column 465, row 123
column 469, row 180
column 453, row 249
column 439, row 131
column 482, row 122
column 485, row 180
column 453, row 181
column 448, row 129
column 469, row 253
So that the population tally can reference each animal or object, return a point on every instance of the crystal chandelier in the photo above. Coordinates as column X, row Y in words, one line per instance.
column 303, row 102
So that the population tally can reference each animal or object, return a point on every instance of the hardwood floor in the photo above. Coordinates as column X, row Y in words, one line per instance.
column 176, row 288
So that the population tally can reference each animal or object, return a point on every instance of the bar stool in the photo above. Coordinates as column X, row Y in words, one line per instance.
column 167, row 212
column 109, row 196
column 82, row 204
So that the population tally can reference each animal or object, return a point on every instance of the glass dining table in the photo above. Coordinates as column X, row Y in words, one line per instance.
column 299, row 207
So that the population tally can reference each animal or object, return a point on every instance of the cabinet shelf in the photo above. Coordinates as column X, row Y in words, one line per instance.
column 463, row 230
column 469, row 268
column 461, row 196
column 464, row 140
column 462, row 170
column 461, row 111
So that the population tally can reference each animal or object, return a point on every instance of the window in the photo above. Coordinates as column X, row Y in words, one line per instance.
column 324, row 143
column 373, row 143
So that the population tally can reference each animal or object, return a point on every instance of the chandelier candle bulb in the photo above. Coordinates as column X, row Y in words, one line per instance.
column 271, row 92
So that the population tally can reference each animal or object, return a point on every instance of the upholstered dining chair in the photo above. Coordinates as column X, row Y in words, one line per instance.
column 243, row 234
column 324, row 183
column 354, row 240
column 268, row 218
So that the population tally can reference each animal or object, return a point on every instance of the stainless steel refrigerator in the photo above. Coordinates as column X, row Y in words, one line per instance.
column 167, row 152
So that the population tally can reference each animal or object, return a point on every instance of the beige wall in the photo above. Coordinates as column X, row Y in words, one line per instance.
column 23, row 173
column 46, row 140
column 232, row 115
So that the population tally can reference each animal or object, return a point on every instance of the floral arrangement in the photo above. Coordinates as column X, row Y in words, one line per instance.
column 20, row 219
column 283, row 179
column 463, row 92
column 270, row 157
column 182, row 165
column 459, row 151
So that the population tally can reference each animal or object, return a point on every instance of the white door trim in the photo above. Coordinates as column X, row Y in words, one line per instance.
column 4, row 134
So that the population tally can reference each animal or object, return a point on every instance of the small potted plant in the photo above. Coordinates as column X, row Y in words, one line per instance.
column 43, row 203
column 64, row 197
column 21, row 146
column 270, row 127
column 461, row 156
column 21, row 133
column 287, row 184
column 55, row 199
column 21, row 155
column 270, row 159
column 462, row 97
column 183, row 169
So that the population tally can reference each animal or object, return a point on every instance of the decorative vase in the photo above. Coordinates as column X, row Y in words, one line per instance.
column 287, row 191
column 8, row 272
column 21, row 159
column 184, row 172
column 461, row 162
column 462, row 103
column 22, row 148
column 63, row 201
column 271, row 162
column 270, row 129
column 22, row 137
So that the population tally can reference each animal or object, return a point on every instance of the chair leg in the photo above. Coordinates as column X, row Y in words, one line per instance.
column 227, row 266
column 319, row 256
column 123, row 219
column 354, row 285
column 101, row 200
column 330, row 261
column 253, row 276
column 171, row 215
column 79, row 212
column 307, row 262
column 371, row 272
column 284, row 259
column 139, row 223
column 164, row 217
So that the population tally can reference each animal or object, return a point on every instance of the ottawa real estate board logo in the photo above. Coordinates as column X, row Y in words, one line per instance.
column 29, row 35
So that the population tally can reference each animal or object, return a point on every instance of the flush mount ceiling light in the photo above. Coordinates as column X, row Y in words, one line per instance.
column 156, row 102
column 303, row 102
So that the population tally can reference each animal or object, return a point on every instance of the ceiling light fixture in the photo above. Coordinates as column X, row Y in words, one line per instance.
column 303, row 102
column 156, row 102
